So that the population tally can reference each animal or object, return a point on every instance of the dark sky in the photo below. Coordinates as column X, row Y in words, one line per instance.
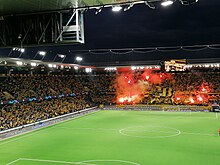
column 144, row 27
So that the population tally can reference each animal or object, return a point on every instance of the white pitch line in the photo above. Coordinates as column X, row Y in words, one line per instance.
column 150, row 131
column 96, row 129
column 13, row 161
column 54, row 161
column 176, row 133
column 216, row 115
column 204, row 134
column 121, row 161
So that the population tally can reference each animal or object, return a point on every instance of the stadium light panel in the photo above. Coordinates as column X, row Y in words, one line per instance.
column 22, row 50
column 42, row 53
column 33, row 64
column 166, row 3
column 61, row 55
column 116, row 8
column 19, row 63
column 79, row 59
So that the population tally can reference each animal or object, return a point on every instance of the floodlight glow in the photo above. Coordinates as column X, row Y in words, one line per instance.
column 79, row 59
column 33, row 64
column 166, row 3
column 50, row 65
column 22, row 50
column 42, row 53
column 61, row 55
column 19, row 63
column 116, row 8
column 88, row 70
column 76, row 67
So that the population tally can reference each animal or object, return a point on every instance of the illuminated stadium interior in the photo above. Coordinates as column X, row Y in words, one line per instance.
column 63, row 101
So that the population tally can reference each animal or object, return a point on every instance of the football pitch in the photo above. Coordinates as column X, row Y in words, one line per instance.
column 120, row 138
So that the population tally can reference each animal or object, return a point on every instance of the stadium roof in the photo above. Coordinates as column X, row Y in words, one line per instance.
column 13, row 7
column 139, row 27
column 10, row 7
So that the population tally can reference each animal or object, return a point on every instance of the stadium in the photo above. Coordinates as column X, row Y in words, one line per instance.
column 109, row 82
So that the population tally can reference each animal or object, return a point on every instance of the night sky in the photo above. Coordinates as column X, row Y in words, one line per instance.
column 144, row 27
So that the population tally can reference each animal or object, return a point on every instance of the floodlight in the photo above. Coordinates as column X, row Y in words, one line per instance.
column 42, row 53
column 166, row 3
column 61, row 55
column 19, row 49
column 22, row 50
column 116, row 8
column 79, row 59
column 19, row 63
column 33, row 64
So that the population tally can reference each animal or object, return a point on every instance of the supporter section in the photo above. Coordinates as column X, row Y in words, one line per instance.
column 29, row 98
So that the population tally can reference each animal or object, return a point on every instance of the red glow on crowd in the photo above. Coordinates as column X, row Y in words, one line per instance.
column 205, row 88
column 131, row 86
column 199, row 98
column 191, row 100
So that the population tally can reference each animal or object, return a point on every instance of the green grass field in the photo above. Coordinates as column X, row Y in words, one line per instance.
column 120, row 138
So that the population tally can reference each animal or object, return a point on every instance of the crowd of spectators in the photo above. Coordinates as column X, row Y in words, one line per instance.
column 89, row 90
column 25, row 113
column 78, row 92
column 186, row 85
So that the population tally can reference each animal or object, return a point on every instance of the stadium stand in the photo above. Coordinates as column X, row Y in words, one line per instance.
column 40, row 97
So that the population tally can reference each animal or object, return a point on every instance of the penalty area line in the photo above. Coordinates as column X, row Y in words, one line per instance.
column 13, row 161
column 48, row 161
